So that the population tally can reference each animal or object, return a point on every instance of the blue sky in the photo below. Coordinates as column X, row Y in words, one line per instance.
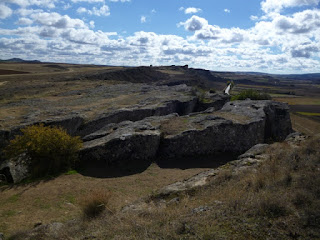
column 275, row 36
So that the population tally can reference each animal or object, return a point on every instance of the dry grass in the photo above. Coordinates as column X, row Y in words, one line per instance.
column 176, row 125
column 59, row 199
column 305, row 125
column 299, row 100
column 94, row 203
column 278, row 199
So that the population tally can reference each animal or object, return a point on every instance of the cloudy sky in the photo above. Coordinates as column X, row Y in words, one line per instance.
column 275, row 36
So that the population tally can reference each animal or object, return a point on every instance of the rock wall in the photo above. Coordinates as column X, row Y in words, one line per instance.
column 234, row 129
column 172, row 130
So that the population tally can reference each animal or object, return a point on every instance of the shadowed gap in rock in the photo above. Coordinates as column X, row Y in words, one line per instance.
column 100, row 169
column 204, row 161
column 5, row 175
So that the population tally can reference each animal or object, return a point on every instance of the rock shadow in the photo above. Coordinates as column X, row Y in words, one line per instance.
column 99, row 169
column 205, row 161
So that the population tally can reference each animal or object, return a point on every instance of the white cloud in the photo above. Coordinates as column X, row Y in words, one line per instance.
column 226, row 10
column 5, row 11
column 24, row 21
column 102, row 11
column 67, row 6
column 194, row 23
column 120, row 0
column 26, row 12
column 88, row 1
column 275, row 42
column 277, row 5
column 254, row 18
column 56, row 20
column 91, row 23
column 27, row 3
column 192, row 10
column 143, row 19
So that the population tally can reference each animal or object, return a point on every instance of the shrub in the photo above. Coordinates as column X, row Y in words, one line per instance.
column 49, row 150
column 273, row 207
column 252, row 94
column 95, row 203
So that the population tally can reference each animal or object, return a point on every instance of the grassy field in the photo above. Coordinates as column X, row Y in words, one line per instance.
column 58, row 199
column 278, row 199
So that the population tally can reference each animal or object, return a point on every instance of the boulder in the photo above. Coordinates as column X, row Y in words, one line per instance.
column 276, row 116
column 255, row 150
column 127, row 143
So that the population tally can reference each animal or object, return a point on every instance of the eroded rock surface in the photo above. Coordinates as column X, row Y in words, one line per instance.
column 234, row 129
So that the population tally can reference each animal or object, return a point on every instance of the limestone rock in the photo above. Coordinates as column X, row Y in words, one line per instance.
column 129, row 142
column 182, row 107
column 15, row 170
column 255, row 150
column 235, row 128
column 216, row 100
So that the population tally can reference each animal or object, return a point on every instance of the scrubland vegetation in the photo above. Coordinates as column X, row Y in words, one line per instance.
column 278, row 199
column 50, row 150
column 252, row 94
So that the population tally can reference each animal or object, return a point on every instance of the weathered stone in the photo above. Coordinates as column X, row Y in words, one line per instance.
column 216, row 100
column 182, row 107
column 201, row 209
column 130, row 142
column 235, row 128
column 255, row 150
column 15, row 170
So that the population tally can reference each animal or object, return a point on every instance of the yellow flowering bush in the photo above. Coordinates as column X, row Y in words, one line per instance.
column 49, row 149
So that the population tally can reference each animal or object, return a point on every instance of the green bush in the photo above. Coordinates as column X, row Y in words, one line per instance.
column 50, row 150
column 252, row 94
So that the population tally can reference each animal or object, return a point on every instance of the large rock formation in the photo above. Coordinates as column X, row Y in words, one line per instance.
column 234, row 129
column 162, row 122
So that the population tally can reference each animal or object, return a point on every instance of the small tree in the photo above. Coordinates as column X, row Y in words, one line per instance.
column 49, row 150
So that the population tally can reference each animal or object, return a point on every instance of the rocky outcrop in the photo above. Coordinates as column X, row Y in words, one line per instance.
column 215, row 100
column 15, row 170
column 182, row 107
column 129, row 142
column 124, row 143
column 234, row 129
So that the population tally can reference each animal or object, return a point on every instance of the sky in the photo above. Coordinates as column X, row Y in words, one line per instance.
column 273, row 36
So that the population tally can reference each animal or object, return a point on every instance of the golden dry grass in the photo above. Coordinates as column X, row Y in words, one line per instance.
column 58, row 199
column 305, row 125
column 278, row 198
column 299, row 100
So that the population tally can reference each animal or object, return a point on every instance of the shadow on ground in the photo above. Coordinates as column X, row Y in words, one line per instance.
column 100, row 169
column 211, row 161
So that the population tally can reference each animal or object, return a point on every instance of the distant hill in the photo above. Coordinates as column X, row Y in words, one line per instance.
column 306, row 76
column 19, row 60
